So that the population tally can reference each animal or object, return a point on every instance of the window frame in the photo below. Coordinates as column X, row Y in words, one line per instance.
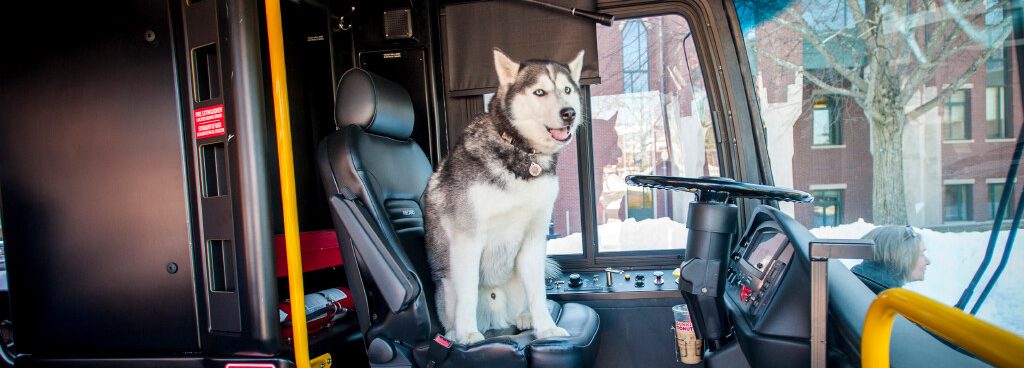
column 708, row 52
column 835, row 123
column 946, row 124
column 839, row 204
column 993, row 201
column 643, row 63
column 967, row 193
column 1003, row 128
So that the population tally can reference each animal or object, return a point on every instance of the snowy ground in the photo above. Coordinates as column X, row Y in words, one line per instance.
column 954, row 259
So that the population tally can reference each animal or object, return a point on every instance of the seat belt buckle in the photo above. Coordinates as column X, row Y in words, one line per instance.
column 439, row 349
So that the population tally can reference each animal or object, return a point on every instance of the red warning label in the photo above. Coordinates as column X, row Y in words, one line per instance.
column 209, row 121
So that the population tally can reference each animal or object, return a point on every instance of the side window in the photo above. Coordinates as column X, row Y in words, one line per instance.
column 650, row 115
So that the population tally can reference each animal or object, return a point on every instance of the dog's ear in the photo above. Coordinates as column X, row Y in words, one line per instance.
column 506, row 68
column 576, row 67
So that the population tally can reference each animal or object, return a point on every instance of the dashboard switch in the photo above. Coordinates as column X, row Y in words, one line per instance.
column 745, row 293
column 658, row 277
column 575, row 280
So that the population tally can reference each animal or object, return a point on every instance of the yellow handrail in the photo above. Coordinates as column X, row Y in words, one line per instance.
column 988, row 342
column 279, row 84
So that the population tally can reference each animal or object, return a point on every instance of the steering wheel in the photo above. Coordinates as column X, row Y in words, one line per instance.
column 717, row 189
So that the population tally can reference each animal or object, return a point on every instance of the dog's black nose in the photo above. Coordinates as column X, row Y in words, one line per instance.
column 568, row 114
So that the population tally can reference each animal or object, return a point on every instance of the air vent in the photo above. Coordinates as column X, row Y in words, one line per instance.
column 397, row 24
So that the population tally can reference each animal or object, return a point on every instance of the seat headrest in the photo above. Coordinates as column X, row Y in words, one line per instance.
column 378, row 105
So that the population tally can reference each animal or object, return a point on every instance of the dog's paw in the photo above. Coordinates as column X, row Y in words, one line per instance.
column 469, row 338
column 524, row 321
column 552, row 332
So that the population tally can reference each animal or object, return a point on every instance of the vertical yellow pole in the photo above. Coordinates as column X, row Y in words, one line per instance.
column 285, row 162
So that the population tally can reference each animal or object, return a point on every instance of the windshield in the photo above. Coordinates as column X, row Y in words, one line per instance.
column 896, row 112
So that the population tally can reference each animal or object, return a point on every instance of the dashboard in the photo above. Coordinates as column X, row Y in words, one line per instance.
column 614, row 283
column 767, row 289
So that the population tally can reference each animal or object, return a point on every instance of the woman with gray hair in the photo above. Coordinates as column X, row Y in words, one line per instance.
column 899, row 258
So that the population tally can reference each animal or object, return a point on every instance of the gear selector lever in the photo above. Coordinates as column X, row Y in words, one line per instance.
column 608, row 275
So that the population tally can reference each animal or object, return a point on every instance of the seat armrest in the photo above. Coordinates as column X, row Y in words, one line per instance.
column 391, row 279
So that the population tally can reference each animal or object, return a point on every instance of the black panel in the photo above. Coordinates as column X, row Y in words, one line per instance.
column 92, row 172
column 636, row 333
column 407, row 68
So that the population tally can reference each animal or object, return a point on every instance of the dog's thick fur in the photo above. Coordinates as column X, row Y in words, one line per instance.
column 487, row 215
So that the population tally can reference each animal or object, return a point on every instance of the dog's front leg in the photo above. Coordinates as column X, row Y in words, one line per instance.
column 466, row 251
column 530, row 263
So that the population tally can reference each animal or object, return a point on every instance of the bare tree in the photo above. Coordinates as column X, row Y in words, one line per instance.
column 881, row 54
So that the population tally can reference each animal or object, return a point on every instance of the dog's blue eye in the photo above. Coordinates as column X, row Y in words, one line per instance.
column 568, row 90
column 539, row 92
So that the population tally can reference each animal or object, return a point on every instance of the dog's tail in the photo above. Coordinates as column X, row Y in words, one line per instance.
column 552, row 270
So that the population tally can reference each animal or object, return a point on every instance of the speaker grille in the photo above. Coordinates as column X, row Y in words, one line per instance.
column 397, row 24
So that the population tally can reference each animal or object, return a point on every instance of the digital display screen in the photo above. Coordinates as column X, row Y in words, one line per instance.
column 764, row 249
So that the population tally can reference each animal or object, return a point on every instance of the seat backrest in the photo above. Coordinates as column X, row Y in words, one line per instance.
column 375, row 175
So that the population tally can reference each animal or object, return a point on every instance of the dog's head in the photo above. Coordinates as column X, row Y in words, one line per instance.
column 541, row 99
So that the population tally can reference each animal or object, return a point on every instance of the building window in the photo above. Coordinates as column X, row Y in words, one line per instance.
column 826, row 123
column 957, row 203
column 995, row 194
column 828, row 207
column 995, row 113
column 958, row 116
column 635, row 66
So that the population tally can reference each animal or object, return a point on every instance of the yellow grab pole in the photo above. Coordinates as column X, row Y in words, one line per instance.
column 279, row 85
column 986, row 341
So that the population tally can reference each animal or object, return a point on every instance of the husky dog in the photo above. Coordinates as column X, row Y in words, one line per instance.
column 489, row 203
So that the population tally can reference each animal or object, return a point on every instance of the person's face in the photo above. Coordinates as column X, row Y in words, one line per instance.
column 922, row 262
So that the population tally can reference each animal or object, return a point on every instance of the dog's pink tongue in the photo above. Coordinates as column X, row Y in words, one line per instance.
column 560, row 134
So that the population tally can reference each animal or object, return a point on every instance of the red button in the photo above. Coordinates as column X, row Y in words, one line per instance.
column 745, row 293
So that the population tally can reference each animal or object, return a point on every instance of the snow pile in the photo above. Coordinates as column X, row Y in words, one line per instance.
column 954, row 259
column 651, row 234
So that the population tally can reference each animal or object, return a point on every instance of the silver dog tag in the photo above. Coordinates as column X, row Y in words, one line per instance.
column 534, row 169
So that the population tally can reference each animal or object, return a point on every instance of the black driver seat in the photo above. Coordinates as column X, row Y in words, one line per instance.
column 375, row 175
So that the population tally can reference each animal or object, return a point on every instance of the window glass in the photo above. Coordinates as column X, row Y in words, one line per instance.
column 825, row 122
column 929, row 104
column 995, row 193
column 995, row 113
column 828, row 207
column 958, row 117
column 635, row 65
column 660, row 126
column 564, row 231
column 957, row 202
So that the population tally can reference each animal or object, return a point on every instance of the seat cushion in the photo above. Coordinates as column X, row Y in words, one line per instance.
column 522, row 349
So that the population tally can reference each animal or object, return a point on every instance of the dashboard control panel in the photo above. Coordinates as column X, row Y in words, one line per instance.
column 612, row 281
column 755, row 269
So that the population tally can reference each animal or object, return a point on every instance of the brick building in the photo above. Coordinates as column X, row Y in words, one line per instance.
column 955, row 156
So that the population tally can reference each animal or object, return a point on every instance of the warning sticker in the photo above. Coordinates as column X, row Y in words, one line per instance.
column 209, row 121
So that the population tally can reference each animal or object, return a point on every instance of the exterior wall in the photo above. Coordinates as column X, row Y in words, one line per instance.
column 848, row 164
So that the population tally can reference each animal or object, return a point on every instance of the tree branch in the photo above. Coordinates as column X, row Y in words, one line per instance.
column 953, row 87
column 858, row 18
column 810, row 77
column 802, row 27
column 926, row 71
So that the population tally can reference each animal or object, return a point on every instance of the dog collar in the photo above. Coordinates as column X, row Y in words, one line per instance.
column 535, row 169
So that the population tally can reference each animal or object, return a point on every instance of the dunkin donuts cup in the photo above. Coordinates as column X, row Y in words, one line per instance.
column 689, row 347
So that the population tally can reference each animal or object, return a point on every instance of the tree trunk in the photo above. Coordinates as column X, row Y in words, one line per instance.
column 888, row 200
